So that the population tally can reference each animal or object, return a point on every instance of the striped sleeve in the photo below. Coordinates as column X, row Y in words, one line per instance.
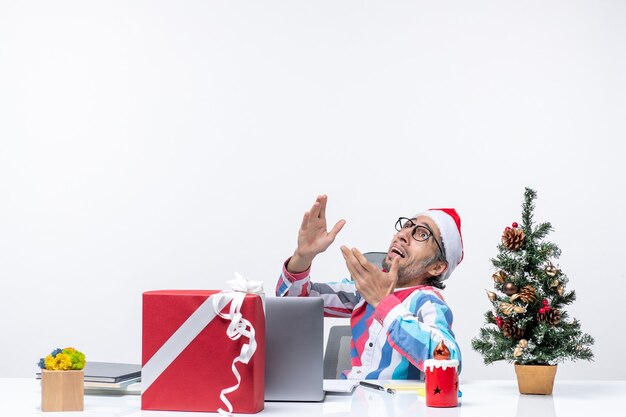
column 339, row 297
column 415, row 331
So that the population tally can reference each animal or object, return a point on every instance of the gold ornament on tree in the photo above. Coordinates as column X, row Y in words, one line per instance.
column 513, row 238
column 509, row 309
column 558, row 285
column 519, row 349
column 499, row 277
column 551, row 270
column 491, row 295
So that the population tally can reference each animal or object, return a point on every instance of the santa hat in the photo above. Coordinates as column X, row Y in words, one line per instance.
column 449, row 224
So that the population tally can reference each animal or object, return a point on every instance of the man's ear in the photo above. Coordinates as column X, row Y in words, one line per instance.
column 437, row 268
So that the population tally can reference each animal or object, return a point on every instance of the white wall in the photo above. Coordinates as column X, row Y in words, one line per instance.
column 161, row 144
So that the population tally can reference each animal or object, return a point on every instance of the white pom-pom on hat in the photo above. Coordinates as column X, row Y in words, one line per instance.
column 449, row 224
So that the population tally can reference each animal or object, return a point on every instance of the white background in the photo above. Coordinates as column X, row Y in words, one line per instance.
column 162, row 144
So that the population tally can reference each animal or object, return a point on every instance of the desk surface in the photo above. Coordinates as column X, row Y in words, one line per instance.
column 22, row 396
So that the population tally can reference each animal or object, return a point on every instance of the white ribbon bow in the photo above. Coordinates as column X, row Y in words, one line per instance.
column 243, row 284
column 238, row 326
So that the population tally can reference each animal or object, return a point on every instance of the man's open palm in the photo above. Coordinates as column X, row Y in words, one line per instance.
column 313, row 237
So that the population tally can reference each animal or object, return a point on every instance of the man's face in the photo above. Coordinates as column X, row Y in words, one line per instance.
column 412, row 268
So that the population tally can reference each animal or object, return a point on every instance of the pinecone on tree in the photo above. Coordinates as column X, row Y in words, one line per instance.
column 527, row 294
column 551, row 316
column 510, row 330
column 513, row 238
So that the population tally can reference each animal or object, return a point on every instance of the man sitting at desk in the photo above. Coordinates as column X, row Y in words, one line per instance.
column 397, row 315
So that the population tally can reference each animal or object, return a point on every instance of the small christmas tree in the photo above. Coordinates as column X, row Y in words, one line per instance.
column 528, row 324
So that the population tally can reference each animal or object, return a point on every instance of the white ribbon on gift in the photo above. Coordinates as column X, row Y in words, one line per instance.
column 238, row 327
column 198, row 320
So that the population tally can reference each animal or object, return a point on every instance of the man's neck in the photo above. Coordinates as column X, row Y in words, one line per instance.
column 415, row 282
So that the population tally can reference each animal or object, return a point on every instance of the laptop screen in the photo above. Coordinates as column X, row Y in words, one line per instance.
column 294, row 349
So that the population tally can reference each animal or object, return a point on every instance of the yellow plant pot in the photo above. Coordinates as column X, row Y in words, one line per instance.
column 535, row 379
column 62, row 390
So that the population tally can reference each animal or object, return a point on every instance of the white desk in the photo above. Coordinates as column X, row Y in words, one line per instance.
column 21, row 397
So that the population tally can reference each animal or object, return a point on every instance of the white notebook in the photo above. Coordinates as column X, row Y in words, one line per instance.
column 340, row 386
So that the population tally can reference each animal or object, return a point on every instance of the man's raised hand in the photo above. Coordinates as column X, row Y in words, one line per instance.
column 372, row 283
column 313, row 236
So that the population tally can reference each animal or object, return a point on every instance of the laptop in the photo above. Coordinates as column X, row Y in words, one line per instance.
column 294, row 349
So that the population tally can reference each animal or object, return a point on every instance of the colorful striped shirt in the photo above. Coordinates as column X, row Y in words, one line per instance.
column 390, row 341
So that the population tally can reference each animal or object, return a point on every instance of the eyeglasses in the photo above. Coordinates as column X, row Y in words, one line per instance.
column 420, row 233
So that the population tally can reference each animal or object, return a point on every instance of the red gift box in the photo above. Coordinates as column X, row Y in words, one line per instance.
column 187, row 356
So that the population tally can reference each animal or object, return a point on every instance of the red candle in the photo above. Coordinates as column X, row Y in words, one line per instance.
column 442, row 381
